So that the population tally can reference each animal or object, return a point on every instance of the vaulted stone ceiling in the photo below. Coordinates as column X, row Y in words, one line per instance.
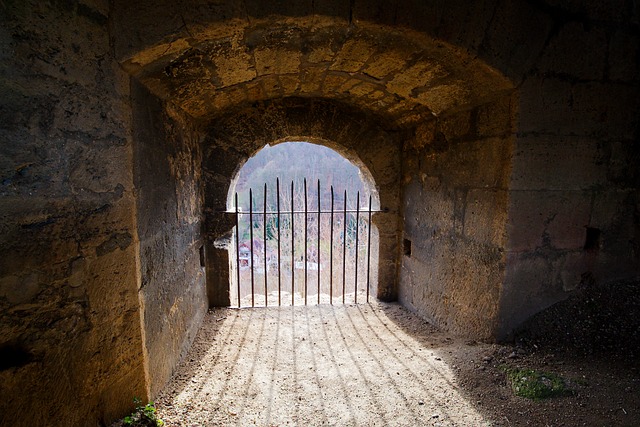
column 399, row 75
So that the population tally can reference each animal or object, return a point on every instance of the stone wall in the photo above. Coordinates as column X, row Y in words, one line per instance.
column 455, row 201
column 168, row 164
column 574, row 189
column 70, row 335
column 524, row 209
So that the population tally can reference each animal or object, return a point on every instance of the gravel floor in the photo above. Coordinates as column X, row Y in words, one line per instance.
column 336, row 365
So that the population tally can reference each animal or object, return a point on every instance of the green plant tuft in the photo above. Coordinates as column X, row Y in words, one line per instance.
column 534, row 384
column 143, row 415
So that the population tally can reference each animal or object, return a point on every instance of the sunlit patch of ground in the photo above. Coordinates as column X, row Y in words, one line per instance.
column 318, row 365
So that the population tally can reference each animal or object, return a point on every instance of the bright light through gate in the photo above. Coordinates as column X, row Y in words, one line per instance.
column 302, row 241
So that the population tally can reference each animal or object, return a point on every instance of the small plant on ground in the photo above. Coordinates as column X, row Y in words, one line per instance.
column 534, row 384
column 143, row 415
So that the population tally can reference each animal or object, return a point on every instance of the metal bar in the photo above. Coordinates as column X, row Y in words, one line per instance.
column 369, row 250
column 306, row 258
column 264, row 242
column 293, row 261
column 298, row 212
column 355, row 287
column 238, row 248
column 344, row 245
column 331, row 252
column 305, row 241
column 318, row 246
column 251, row 237
column 278, row 218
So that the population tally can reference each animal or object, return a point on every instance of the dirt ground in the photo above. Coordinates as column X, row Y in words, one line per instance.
column 380, row 365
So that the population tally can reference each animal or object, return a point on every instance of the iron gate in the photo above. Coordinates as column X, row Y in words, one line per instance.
column 287, row 250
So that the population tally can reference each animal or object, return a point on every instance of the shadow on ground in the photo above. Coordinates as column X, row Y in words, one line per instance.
column 592, row 340
column 379, row 365
column 317, row 365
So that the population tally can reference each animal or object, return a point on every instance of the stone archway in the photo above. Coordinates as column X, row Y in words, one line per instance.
column 320, row 180
column 234, row 138
column 377, row 91
column 402, row 76
column 82, row 235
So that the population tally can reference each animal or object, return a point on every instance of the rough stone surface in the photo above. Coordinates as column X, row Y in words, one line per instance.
column 455, row 221
column 576, row 109
column 388, row 73
column 70, row 335
column 170, row 217
column 502, row 135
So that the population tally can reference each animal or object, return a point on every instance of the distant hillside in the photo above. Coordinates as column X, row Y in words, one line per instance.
column 295, row 161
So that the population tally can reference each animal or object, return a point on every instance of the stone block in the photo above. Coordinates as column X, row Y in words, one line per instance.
column 92, row 171
column 73, row 115
column 231, row 97
column 234, row 66
column 418, row 75
column 21, row 290
column 260, row 9
column 362, row 90
column 153, row 26
column 353, row 55
column 526, row 224
column 593, row 10
column 446, row 98
column 333, row 82
column 195, row 97
column 271, row 86
column 455, row 127
column 455, row 283
column 557, row 163
column 320, row 54
column 570, row 269
column 576, row 51
column 427, row 212
column 611, row 109
column 311, row 81
column 380, row 11
column 385, row 64
column 405, row 288
column 277, row 61
column 515, row 38
column 623, row 46
column 529, row 287
column 348, row 85
column 383, row 160
column 255, row 91
column 495, row 119
column 557, row 107
column 477, row 164
column 613, row 214
column 290, row 84
column 541, row 219
column 485, row 216
column 622, row 156
column 610, row 206
column 545, row 107
column 477, row 17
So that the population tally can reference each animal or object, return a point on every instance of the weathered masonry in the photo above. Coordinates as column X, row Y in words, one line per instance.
column 503, row 138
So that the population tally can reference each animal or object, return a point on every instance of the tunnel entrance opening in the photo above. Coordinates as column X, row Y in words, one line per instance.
column 303, row 229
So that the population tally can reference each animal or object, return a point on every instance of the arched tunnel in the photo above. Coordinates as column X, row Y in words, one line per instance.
column 502, row 137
